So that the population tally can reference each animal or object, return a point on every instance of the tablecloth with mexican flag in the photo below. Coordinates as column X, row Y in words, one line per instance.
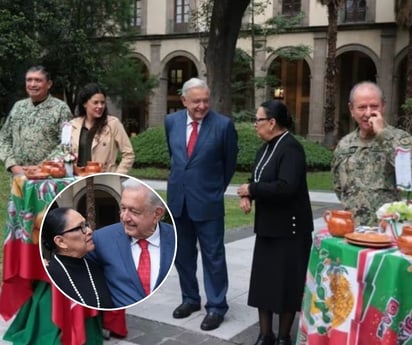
column 356, row 295
column 26, row 289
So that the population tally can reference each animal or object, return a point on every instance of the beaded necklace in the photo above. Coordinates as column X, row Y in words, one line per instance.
column 74, row 285
column 256, row 175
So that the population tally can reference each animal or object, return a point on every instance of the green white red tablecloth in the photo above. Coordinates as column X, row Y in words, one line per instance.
column 356, row 295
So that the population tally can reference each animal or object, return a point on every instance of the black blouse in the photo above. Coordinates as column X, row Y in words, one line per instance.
column 78, row 272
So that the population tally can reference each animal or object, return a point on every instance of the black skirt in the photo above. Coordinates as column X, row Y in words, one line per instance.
column 278, row 273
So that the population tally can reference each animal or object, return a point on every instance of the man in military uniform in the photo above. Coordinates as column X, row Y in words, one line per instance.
column 363, row 165
column 32, row 129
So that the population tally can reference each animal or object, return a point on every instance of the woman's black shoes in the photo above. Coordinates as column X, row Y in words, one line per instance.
column 266, row 339
column 284, row 341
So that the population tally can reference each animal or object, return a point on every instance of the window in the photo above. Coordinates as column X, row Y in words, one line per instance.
column 355, row 11
column 291, row 7
column 182, row 11
column 136, row 18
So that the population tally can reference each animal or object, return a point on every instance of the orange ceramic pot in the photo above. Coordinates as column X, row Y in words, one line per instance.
column 57, row 171
column 93, row 167
column 339, row 222
column 405, row 240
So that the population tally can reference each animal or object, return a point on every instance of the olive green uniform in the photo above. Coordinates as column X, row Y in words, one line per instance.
column 31, row 132
column 364, row 172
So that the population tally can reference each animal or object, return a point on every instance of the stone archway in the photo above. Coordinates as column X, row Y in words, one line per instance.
column 135, row 114
column 293, row 84
column 353, row 66
column 107, row 203
column 178, row 70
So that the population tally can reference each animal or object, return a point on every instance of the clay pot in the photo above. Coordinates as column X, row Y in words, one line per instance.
column 57, row 171
column 405, row 240
column 93, row 167
column 339, row 222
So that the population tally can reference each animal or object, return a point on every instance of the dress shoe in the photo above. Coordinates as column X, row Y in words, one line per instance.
column 184, row 310
column 284, row 341
column 266, row 339
column 211, row 321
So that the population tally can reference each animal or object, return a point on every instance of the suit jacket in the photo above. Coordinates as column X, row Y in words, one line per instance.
column 282, row 204
column 201, row 180
column 113, row 253
column 106, row 146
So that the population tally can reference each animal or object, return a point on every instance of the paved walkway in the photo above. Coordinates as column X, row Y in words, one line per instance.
column 151, row 322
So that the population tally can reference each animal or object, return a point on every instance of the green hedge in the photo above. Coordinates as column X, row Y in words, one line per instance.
column 151, row 149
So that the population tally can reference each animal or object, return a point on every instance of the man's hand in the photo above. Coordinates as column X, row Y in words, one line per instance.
column 245, row 205
column 376, row 121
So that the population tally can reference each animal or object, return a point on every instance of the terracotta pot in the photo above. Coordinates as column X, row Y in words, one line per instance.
column 339, row 222
column 57, row 171
column 405, row 240
column 93, row 167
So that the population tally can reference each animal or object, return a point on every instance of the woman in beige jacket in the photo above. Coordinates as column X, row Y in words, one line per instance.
column 97, row 136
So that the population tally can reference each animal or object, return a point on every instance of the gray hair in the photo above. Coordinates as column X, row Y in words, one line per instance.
column 153, row 199
column 41, row 69
column 193, row 83
column 368, row 84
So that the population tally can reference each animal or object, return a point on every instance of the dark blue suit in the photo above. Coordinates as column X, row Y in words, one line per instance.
column 113, row 253
column 195, row 196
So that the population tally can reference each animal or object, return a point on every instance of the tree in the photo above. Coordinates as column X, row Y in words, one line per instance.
column 16, row 46
column 224, row 30
column 76, row 40
column 331, row 70
column 403, row 13
column 90, row 203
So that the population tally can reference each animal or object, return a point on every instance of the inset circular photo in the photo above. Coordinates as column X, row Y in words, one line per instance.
column 108, row 241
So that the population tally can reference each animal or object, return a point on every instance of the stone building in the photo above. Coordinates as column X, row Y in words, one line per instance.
column 370, row 46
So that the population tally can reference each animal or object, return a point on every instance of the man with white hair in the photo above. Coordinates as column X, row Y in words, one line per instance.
column 203, row 150
column 140, row 239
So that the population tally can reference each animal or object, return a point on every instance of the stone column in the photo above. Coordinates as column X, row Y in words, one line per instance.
column 157, row 104
column 260, row 71
column 386, row 71
column 317, row 88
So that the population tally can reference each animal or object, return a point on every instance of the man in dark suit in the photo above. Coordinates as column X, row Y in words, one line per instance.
column 118, row 251
column 203, row 149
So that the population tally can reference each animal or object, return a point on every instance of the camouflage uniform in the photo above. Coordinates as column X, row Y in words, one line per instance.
column 30, row 132
column 364, row 172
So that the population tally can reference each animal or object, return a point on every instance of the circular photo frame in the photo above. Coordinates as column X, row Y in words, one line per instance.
column 108, row 241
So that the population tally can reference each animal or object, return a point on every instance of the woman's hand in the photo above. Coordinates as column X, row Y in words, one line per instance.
column 245, row 204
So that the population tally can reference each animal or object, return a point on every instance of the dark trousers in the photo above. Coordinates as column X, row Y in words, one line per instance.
column 210, row 236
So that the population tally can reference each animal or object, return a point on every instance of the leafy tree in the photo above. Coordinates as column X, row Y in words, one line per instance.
column 331, row 70
column 403, row 13
column 76, row 40
column 202, row 20
column 16, row 46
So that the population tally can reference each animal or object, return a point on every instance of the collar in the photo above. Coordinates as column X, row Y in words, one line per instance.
column 189, row 120
column 154, row 239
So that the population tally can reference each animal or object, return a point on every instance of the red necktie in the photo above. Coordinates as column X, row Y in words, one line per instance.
column 192, row 139
column 143, row 269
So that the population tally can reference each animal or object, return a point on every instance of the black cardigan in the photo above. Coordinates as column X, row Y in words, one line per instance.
column 282, row 204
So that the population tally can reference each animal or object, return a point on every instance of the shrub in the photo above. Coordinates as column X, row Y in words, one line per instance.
column 151, row 149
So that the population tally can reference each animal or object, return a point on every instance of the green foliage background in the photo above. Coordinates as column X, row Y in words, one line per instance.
column 151, row 149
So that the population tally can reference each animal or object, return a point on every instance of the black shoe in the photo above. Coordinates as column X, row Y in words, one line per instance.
column 211, row 321
column 265, row 339
column 284, row 341
column 184, row 310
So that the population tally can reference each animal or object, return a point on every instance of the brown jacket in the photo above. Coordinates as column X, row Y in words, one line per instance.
column 106, row 146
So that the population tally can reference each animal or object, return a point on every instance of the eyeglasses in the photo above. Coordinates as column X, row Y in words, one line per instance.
column 262, row 119
column 82, row 227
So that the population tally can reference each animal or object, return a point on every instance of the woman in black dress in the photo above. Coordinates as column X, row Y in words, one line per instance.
column 283, row 223
column 68, row 237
